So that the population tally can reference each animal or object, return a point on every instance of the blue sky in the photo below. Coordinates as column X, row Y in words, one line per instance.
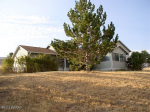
column 38, row 22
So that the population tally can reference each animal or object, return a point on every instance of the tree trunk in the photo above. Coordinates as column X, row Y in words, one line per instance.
column 87, row 62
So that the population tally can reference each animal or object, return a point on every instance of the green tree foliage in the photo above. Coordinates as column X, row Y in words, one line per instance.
column 7, row 66
column 10, row 54
column 146, row 56
column 39, row 63
column 88, row 41
column 136, row 60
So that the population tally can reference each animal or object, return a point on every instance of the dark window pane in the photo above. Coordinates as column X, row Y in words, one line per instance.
column 115, row 57
column 105, row 58
column 122, row 57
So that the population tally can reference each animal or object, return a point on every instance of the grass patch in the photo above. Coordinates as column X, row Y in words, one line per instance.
column 76, row 91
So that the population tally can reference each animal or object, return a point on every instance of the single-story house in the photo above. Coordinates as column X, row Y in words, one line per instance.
column 112, row 61
column 23, row 50
column 116, row 59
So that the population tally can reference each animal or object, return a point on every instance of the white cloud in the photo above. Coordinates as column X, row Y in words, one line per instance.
column 19, row 28
column 54, row 35
column 21, row 19
column 22, row 32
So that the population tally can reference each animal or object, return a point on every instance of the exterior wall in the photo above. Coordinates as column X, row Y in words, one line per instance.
column 118, row 50
column 118, row 64
column 104, row 65
column 127, row 56
column 112, row 65
column 51, row 48
column 20, row 52
column 119, row 44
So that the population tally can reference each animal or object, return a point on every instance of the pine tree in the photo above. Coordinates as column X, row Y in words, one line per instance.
column 88, row 44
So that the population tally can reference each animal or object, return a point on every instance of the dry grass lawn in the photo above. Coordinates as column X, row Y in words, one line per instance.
column 76, row 92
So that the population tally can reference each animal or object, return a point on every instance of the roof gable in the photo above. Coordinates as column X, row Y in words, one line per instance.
column 32, row 49
column 121, row 48
column 124, row 46
column 37, row 50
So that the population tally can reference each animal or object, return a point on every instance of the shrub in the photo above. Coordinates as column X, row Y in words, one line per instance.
column 39, row 63
column 136, row 60
column 7, row 66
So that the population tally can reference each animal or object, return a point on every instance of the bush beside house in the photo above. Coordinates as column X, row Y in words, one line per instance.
column 138, row 59
column 7, row 65
column 39, row 63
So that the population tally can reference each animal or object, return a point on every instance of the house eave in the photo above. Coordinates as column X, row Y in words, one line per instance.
column 125, row 46
column 15, row 52
column 41, row 53
column 124, row 50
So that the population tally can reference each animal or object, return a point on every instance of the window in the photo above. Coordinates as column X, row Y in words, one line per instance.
column 105, row 58
column 119, row 57
column 115, row 57
column 122, row 58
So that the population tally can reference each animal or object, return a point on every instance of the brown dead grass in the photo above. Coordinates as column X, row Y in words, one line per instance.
column 146, row 69
column 76, row 91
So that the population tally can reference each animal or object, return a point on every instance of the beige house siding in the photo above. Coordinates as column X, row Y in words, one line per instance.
column 119, row 65
column 118, row 50
column 104, row 65
column 119, row 44
column 113, row 65
column 20, row 52
column 51, row 48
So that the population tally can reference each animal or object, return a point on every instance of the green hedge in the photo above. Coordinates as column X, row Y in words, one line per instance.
column 39, row 63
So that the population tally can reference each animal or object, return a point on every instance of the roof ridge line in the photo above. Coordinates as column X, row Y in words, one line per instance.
column 32, row 46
